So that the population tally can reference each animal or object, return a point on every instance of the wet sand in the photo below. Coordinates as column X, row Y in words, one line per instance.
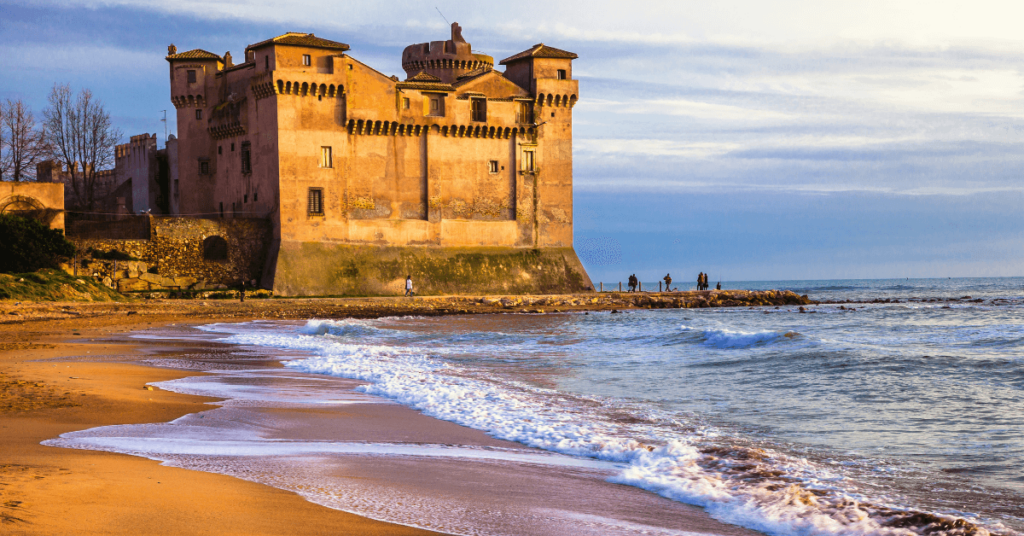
column 50, row 386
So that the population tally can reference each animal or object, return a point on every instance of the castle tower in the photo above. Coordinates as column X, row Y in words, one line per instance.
column 193, row 93
column 447, row 60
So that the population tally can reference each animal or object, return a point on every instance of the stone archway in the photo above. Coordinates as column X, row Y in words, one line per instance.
column 28, row 207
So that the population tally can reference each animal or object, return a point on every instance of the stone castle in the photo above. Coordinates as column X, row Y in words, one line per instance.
column 460, row 175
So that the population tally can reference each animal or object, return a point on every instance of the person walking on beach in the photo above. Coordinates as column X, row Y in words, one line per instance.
column 668, row 282
column 408, row 285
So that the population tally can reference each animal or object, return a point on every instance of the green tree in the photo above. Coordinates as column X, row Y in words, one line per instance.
column 28, row 245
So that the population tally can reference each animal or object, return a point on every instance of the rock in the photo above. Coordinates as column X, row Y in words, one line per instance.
column 132, row 284
column 802, row 310
column 148, row 388
column 108, row 282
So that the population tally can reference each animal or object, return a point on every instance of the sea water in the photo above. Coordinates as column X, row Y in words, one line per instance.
column 851, row 418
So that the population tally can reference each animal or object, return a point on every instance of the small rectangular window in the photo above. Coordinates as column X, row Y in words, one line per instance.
column 266, row 63
column 255, row 197
column 221, row 209
column 245, row 198
column 220, row 149
column 436, row 106
column 204, row 166
column 561, row 74
column 306, row 60
column 191, row 76
column 405, row 103
column 232, row 147
column 492, row 167
column 326, row 161
column 525, row 112
column 316, row 201
column 246, row 157
column 529, row 164
column 478, row 107
column 199, row 114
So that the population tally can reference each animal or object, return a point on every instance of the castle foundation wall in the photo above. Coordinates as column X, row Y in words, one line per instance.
column 321, row 269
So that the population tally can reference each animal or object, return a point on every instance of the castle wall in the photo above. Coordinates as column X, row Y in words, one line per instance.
column 323, row 269
column 401, row 173
column 175, row 248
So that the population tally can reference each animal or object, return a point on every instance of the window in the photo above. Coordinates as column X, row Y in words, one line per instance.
column 245, row 198
column 479, row 109
column 306, row 60
column 255, row 197
column 220, row 149
column 436, row 106
column 204, row 166
column 316, row 201
column 199, row 114
column 325, row 158
column 246, row 157
column 221, row 209
column 492, row 167
column 266, row 63
column 529, row 164
column 232, row 147
column 525, row 112
column 405, row 103
column 191, row 76
column 561, row 74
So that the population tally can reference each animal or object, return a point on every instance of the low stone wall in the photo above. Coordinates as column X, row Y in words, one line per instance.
column 317, row 269
column 176, row 252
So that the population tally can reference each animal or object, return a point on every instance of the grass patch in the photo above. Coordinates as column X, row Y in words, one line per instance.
column 55, row 285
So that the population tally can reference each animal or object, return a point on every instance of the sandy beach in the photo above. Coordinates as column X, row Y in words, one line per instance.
column 68, row 367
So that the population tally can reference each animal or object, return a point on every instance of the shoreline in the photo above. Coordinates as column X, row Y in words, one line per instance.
column 50, row 385
column 13, row 312
column 49, row 489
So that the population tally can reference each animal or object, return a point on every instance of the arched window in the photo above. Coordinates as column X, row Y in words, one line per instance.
column 215, row 248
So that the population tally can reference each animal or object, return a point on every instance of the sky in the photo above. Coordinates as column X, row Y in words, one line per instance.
column 749, row 139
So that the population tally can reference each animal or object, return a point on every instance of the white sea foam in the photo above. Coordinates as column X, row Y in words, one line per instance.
column 671, row 466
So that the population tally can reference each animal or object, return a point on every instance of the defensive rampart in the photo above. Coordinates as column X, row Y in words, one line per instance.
column 321, row 269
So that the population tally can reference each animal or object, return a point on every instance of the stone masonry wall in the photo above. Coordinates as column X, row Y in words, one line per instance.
column 176, row 251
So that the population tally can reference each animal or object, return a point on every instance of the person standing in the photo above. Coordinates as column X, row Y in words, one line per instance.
column 668, row 282
column 241, row 292
column 700, row 281
column 408, row 285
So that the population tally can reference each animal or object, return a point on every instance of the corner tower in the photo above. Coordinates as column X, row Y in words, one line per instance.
column 447, row 60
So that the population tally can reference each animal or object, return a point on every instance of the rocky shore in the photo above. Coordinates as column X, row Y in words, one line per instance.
column 305, row 308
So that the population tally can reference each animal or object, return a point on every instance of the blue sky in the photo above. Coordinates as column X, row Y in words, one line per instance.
column 748, row 139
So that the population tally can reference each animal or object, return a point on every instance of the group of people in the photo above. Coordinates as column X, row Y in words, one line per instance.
column 702, row 282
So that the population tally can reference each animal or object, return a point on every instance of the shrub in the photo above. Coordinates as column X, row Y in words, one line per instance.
column 112, row 255
column 28, row 245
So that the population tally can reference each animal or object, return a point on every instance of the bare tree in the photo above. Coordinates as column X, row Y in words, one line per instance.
column 24, row 142
column 80, row 135
column 4, row 161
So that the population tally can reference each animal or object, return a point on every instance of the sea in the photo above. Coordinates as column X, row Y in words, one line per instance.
column 892, row 407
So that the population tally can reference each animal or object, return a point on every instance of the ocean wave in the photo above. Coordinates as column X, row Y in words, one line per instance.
column 729, row 339
column 755, row 488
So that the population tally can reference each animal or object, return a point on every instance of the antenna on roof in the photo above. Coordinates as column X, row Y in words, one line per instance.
column 442, row 16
